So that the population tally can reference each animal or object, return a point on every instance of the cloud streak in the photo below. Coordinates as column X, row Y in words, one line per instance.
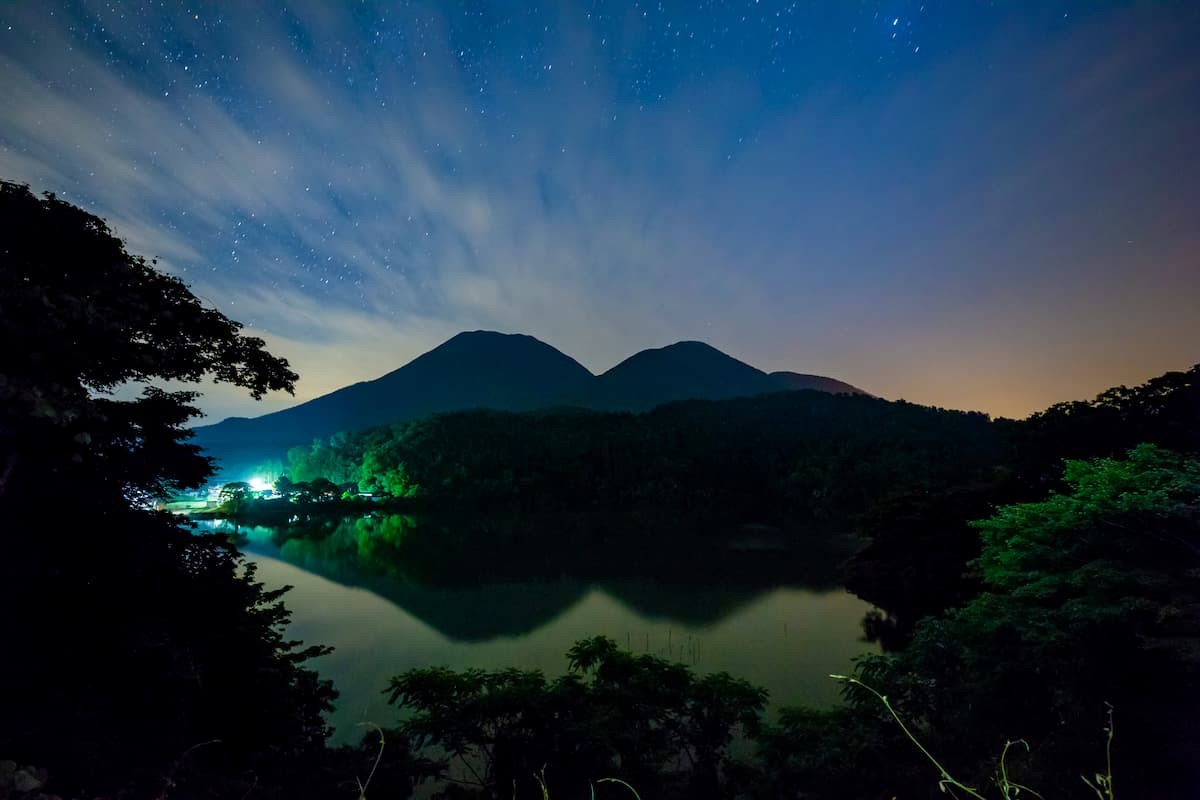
column 357, row 185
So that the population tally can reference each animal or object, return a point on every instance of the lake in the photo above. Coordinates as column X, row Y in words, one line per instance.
column 384, row 611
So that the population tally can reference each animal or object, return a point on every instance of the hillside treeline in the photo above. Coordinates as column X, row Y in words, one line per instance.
column 768, row 458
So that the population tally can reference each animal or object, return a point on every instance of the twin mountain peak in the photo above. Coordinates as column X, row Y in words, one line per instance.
column 513, row 372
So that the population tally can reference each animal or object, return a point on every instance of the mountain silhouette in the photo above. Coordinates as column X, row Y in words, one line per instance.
column 510, row 372
column 479, row 369
column 795, row 381
column 681, row 371
column 691, row 371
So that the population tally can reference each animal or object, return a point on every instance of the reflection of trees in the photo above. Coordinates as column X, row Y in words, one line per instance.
column 369, row 553
column 342, row 549
column 474, row 579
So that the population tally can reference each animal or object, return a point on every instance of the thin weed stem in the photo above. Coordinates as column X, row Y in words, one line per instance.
column 362, row 787
column 947, row 780
column 620, row 782
column 1103, row 784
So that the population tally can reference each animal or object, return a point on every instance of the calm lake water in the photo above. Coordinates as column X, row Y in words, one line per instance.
column 784, row 634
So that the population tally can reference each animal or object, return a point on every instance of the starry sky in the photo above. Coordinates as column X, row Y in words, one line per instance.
column 985, row 205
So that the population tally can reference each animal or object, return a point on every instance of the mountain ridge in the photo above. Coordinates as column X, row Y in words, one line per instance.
column 686, row 370
column 505, row 371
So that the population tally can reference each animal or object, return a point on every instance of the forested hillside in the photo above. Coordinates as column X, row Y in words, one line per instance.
column 773, row 458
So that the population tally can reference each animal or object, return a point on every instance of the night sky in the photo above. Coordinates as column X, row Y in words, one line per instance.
column 977, row 205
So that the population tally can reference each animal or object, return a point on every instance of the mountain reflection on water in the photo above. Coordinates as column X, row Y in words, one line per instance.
column 392, row 592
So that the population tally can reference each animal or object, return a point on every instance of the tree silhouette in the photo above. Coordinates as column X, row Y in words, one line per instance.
column 130, row 639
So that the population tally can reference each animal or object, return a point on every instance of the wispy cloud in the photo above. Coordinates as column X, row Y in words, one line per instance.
column 356, row 184
column 388, row 205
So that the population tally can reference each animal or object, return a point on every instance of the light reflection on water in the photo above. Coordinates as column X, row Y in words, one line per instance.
column 785, row 639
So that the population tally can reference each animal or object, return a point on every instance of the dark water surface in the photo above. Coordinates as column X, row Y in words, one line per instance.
column 364, row 588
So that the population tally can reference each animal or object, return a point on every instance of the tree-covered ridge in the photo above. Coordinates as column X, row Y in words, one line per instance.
column 808, row 454
column 1164, row 410
column 505, row 372
column 768, row 457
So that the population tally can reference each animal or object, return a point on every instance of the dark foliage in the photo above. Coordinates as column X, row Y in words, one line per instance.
column 642, row 719
column 852, row 753
column 1088, row 598
column 920, row 545
column 1164, row 410
column 775, row 458
column 137, row 655
column 916, row 563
